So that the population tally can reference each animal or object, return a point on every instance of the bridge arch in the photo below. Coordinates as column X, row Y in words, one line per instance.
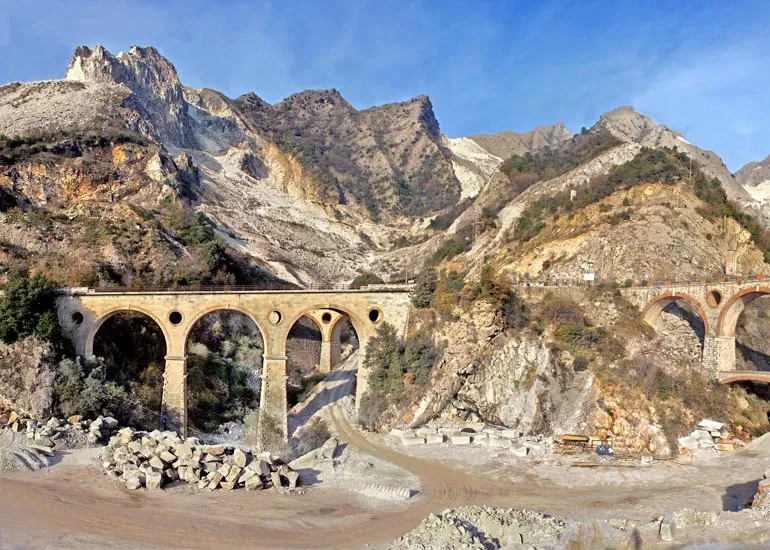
column 662, row 301
column 731, row 311
column 359, row 325
column 201, row 314
column 745, row 376
column 94, row 329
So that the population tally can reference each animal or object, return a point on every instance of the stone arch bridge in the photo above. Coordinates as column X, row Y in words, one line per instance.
column 82, row 311
column 719, row 304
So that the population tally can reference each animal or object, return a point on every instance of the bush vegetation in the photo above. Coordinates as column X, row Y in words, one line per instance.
column 28, row 308
column 529, row 168
column 364, row 279
column 666, row 166
column 398, row 368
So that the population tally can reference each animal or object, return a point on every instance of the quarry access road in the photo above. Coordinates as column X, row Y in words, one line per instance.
column 74, row 505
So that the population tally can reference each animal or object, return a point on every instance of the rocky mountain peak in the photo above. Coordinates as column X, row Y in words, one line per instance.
column 157, row 93
column 629, row 126
column 140, row 68
column 507, row 143
column 315, row 101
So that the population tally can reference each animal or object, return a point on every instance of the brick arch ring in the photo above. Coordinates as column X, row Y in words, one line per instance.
column 649, row 314
column 726, row 309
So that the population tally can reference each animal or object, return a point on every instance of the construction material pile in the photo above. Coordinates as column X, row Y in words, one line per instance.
column 708, row 434
column 154, row 459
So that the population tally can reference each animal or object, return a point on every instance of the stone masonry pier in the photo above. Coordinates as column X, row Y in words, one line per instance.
column 82, row 311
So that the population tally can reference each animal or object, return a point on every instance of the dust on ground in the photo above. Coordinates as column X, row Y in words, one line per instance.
column 72, row 504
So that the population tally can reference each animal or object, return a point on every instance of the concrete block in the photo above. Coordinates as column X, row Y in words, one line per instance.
column 461, row 440
column 511, row 434
column 409, row 441
column 499, row 442
column 534, row 446
column 701, row 435
column 480, row 437
column 687, row 442
column 424, row 432
column 668, row 528
column 446, row 430
column 520, row 451
column 432, row 439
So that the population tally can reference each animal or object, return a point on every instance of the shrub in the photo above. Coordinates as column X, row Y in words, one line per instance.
column 364, row 279
column 371, row 408
column 580, row 363
column 28, row 308
column 425, row 286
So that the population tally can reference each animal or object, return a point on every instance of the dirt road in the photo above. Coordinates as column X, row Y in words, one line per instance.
column 76, row 506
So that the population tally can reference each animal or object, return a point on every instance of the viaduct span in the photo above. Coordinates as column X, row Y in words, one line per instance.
column 82, row 311
column 717, row 302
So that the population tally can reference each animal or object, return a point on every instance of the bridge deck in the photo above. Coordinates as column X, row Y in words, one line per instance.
column 374, row 289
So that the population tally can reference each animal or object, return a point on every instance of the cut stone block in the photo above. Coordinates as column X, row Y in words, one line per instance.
column 408, row 441
column 520, row 451
column 708, row 424
column 511, row 434
column 499, row 442
column 687, row 442
column 432, row 439
column 667, row 528
column 461, row 440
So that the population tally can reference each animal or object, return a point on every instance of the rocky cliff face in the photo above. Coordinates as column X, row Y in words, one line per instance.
column 513, row 379
column 156, row 93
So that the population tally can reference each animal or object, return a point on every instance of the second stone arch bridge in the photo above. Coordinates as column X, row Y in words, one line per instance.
column 83, row 311
column 719, row 305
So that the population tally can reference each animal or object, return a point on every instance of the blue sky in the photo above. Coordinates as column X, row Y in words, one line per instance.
column 488, row 66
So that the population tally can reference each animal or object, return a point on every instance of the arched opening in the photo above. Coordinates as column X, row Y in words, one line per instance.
column 305, row 397
column 224, row 364
column 132, row 349
column 681, row 326
column 303, row 359
column 305, row 350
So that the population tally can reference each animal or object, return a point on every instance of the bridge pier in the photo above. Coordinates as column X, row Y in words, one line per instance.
column 718, row 354
column 273, row 429
column 174, row 407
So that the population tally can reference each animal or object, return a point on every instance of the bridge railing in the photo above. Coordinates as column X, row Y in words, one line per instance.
column 237, row 288
column 711, row 280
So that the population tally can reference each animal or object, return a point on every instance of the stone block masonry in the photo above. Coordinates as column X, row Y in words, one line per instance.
column 82, row 311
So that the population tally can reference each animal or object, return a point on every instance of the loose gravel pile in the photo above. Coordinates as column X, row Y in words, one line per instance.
column 483, row 527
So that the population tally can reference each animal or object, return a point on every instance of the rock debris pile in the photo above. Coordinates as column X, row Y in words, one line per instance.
column 483, row 527
column 154, row 459
column 58, row 433
column 708, row 434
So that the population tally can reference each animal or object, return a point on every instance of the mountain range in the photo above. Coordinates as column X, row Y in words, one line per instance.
column 311, row 190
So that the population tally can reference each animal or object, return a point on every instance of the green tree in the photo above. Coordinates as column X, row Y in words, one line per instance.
column 28, row 308
column 425, row 286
